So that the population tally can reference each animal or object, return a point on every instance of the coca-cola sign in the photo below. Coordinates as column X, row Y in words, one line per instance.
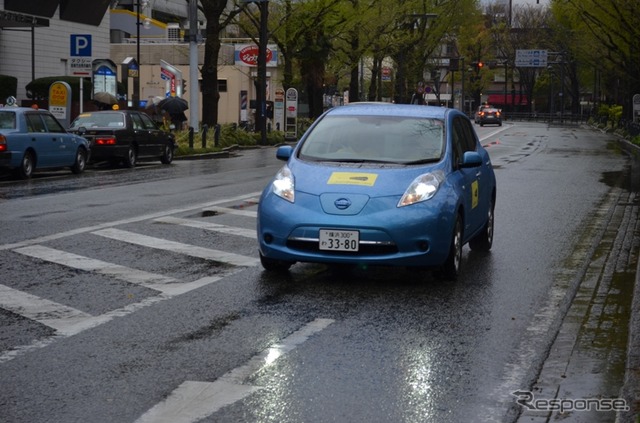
column 249, row 55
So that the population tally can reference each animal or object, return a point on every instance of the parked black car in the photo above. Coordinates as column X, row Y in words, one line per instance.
column 124, row 136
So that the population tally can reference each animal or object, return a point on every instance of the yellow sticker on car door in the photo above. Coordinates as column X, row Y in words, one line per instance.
column 474, row 194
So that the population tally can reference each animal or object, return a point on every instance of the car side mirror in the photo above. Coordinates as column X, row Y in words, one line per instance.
column 284, row 152
column 471, row 159
column 82, row 130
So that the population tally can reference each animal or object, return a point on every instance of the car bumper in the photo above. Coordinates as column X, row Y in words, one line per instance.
column 8, row 160
column 416, row 235
column 101, row 153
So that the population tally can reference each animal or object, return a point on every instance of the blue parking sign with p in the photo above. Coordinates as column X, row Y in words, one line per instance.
column 80, row 45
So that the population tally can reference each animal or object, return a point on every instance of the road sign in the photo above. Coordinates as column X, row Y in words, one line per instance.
column 80, row 52
column 531, row 58
column 80, row 45
column 81, row 66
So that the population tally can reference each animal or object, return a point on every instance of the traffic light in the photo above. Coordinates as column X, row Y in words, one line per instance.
column 480, row 65
column 184, row 86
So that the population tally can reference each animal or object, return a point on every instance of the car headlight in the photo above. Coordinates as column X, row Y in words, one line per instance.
column 284, row 185
column 422, row 188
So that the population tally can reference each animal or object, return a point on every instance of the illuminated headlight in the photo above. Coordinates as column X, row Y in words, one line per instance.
column 284, row 184
column 422, row 188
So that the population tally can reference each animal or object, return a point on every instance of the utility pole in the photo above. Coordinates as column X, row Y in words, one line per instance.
column 261, row 80
column 194, row 98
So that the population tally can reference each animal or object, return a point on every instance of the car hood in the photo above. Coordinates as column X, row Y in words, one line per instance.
column 351, row 186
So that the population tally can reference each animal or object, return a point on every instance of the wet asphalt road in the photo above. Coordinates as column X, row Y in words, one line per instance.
column 363, row 345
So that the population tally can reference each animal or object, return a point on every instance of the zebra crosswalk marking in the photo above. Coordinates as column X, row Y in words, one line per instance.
column 178, row 247
column 209, row 226
column 127, row 274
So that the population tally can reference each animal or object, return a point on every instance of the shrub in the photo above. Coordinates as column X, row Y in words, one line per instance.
column 8, row 87
column 38, row 89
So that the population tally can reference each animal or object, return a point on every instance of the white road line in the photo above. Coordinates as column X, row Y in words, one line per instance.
column 229, row 210
column 68, row 321
column 193, row 401
column 209, row 226
column 150, row 216
column 127, row 274
column 49, row 313
column 178, row 247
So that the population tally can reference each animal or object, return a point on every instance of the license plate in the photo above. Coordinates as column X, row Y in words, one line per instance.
column 339, row 240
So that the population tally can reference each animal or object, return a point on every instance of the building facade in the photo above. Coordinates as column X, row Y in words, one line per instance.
column 42, row 38
column 39, row 38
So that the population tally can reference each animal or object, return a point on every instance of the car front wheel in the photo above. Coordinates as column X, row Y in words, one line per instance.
column 274, row 265
column 451, row 267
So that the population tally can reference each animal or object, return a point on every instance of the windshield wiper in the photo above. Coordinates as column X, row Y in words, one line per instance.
column 423, row 161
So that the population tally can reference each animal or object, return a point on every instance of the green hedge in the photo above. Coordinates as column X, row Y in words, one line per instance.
column 38, row 89
column 8, row 87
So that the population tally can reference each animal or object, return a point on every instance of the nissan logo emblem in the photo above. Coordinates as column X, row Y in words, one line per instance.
column 342, row 203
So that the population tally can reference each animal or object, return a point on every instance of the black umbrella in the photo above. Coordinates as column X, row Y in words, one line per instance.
column 105, row 98
column 173, row 105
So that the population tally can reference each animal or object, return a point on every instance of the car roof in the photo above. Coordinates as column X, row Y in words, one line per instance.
column 390, row 109
column 108, row 111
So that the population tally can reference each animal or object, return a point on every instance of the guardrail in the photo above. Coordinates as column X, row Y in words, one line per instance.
column 554, row 118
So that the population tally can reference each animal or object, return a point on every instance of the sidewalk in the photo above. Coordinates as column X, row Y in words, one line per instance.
column 596, row 354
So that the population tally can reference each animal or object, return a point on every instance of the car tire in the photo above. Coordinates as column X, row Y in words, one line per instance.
column 167, row 155
column 27, row 166
column 131, row 158
column 81, row 161
column 451, row 266
column 274, row 265
column 484, row 240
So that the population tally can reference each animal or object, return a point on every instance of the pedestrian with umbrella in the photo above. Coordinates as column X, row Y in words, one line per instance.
column 175, row 106
column 104, row 100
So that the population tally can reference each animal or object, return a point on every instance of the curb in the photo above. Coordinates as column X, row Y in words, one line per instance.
column 631, row 386
column 225, row 153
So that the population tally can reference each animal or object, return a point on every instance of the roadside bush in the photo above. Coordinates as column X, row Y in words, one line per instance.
column 38, row 89
column 230, row 135
column 611, row 114
column 8, row 87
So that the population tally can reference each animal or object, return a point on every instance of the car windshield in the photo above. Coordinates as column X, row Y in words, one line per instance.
column 99, row 120
column 7, row 120
column 383, row 139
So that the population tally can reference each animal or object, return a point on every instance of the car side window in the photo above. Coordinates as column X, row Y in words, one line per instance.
column 148, row 123
column 469, row 139
column 7, row 120
column 137, row 122
column 458, row 138
column 52, row 124
column 34, row 123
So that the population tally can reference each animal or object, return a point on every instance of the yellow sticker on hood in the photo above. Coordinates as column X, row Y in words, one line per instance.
column 352, row 178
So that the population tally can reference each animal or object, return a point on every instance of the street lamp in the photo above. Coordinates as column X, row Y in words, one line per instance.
column 261, row 82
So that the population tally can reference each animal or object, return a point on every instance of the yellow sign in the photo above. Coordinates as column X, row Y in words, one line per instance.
column 352, row 178
column 474, row 194
column 58, row 94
